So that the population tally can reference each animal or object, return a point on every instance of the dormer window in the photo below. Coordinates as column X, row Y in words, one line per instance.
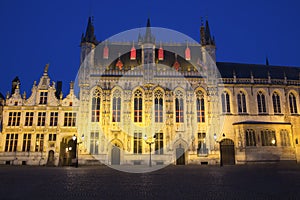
column 43, row 97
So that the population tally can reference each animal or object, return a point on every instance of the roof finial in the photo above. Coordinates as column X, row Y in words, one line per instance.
column 46, row 69
column 267, row 61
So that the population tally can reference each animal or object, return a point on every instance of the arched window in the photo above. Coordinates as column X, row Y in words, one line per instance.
column 250, row 137
column 225, row 102
column 293, row 103
column 158, row 106
column 138, row 106
column 96, row 99
column 241, row 100
column 261, row 103
column 179, row 109
column 116, row 106
column 276, row 103
column 200, row 107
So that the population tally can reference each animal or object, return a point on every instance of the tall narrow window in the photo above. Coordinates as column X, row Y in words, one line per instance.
column 159, row 143
column 179, row 107
column 261, row 103
column 70, row 119
column 293, row 103
column 137, row 143
column 250, row 137
column 29, row 118
column 14, row 119
column 158, row 106
column 96, row 100
column 268, row 138
column 116, row 106
column 200, row 107
column 276, row 103
column 94, row 143
column 43, row 97
column 41, row 120
column 138, row 106
column 241, row 100
column 39, row 142
column 53, row 118
column 26, row 142
column 225, row 102
column 52, row 137
column 201, row 144
column 284, row 137
column 11, row 142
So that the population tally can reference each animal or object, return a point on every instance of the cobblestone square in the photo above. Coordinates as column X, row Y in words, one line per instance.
column 268, row 181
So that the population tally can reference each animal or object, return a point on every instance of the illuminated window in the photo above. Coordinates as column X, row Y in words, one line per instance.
column 29, row 118
column 43, row 97
column 179, row 107
column 11, row 142
column 39, row 142
column 137, row 143
column 52, row 137
column 268, row 138
column 241, row 100
column 96, row 100
column 53, row 118
column 116, row 106
column 26, row 142
column 250, row 137
column 261, row 103
column 225, row 102
column 70, row 119
column 14, row 119
column 284, row 137
column 276, row 103
column 201, row 144
column 138, row 106
column 94, row 142
column 158, row 106
column 41, row 120
column 159, row 143
column 293, row 103
column 200, row 107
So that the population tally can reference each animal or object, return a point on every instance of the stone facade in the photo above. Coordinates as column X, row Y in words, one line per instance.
column 141, row 102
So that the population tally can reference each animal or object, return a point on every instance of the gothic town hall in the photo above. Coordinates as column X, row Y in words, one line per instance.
column 152, row 97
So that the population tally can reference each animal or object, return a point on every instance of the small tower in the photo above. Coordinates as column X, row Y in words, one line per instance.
column 148, row 53
column 207, row 42
column 88, row 41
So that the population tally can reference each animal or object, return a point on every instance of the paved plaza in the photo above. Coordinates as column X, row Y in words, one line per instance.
column 267, row 181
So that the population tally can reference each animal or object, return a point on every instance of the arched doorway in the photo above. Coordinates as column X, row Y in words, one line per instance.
column 50, row 161
column 227, row 152
column 115, row 155
column 180, row 156
column 67, row 155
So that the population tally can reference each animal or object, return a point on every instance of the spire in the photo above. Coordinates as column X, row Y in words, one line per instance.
column 89, row 33
column 148, row 36
column 208, row 38
column 267, row 61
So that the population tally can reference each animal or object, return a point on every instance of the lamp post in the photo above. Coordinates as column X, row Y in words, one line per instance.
column 77, row 145
column 149, row 141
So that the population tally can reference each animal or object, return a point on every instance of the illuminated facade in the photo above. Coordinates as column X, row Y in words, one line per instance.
column 247, row 113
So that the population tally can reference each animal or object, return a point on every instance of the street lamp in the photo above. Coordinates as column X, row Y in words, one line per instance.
column 77, row 145
column 149, row 141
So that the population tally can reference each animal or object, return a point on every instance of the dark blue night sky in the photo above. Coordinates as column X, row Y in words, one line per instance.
column 36, row 32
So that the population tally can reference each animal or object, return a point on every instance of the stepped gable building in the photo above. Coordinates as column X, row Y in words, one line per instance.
column 193, row 115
